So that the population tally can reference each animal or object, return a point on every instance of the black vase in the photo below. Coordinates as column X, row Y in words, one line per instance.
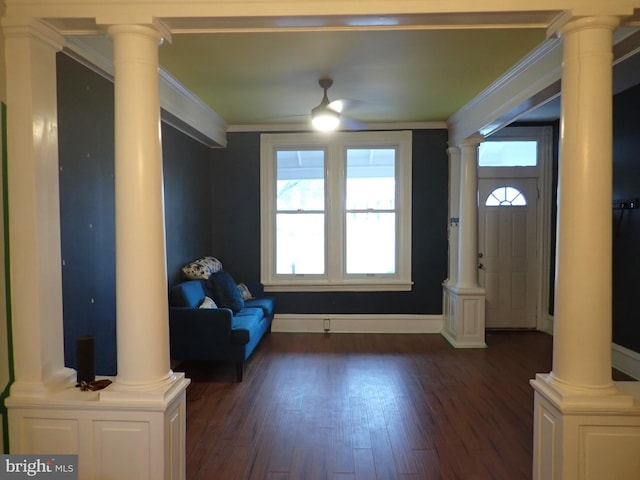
column 85, row 351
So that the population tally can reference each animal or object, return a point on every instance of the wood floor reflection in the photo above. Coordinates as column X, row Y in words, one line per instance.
column 367, row 407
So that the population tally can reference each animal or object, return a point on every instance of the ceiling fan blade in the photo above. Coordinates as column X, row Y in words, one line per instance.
column 343, row 104
column 350, row 123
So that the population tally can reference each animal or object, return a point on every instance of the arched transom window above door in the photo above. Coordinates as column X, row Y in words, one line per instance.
column 505, row 196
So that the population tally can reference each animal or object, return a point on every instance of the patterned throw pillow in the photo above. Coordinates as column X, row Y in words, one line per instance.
column 244, row 290
column 202, row 268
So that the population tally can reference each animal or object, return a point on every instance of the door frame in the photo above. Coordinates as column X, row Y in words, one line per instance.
column 543, row 173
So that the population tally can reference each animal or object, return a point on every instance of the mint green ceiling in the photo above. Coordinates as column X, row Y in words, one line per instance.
column 395, row 75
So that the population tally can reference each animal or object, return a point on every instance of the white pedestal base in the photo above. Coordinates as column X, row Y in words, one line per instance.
column 579, row 436
column 463, row 312
column 133, row 436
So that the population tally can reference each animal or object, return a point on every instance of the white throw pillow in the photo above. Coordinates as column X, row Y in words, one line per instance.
column 244, row 290
column 208, row 303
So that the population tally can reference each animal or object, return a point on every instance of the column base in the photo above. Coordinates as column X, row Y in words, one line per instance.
column 580, row 434
column 125, row 435
column 59, row 380
column 463, row 312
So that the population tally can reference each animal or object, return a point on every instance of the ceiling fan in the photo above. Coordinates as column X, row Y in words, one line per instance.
column 327, row 115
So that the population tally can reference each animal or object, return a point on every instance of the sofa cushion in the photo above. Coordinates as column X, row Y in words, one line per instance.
column 267, row 304
column 224, row 291
column 187, row 294
column 244, row 324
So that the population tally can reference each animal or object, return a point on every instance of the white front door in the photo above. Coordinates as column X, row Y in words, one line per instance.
column 507, row 222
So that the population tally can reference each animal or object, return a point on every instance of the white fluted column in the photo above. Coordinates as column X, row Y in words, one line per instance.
column 454, row 214
column 468, row 227
column 141, row 276
column 582, row 330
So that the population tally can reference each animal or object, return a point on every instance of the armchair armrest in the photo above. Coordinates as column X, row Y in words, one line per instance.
column 205, row 320
column 195, row 331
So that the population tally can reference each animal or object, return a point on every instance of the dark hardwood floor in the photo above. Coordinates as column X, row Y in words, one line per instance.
column 367, row 407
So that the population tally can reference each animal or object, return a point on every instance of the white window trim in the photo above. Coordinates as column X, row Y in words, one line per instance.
column 333, row 280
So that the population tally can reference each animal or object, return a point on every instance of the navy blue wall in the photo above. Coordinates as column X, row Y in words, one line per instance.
column 86, row 151
column 236, row 206
column 236, row 232
column 187, row 200
column 626, row 223
column 87, row 207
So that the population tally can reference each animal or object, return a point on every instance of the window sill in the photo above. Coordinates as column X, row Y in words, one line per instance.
column 351, row 286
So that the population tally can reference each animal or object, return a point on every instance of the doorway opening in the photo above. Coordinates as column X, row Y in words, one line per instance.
column 514, row 183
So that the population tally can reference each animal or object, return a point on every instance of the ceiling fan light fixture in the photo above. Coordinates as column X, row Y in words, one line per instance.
column 325, row 119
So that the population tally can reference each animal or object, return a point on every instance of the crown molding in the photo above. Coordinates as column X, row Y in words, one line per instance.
column 186, row 112
column 533, row 74
column 32, row 27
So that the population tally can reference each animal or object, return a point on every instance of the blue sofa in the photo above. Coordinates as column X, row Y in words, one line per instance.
column 219, row 333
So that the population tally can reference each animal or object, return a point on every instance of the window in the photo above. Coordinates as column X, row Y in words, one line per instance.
column 508, row 153
column 336, row 211
column 506, row 197
column 300, row 211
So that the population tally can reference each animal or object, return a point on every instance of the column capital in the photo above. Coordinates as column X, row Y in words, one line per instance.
column 453, row 151
column 472, row 141
column 153, row 27
column 570, row 22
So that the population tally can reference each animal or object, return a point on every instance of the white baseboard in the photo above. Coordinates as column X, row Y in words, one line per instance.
column 455, row 343
column 546, row 324
column 625, row 360
column 358, row 323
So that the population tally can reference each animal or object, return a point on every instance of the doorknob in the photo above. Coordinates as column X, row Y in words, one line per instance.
column 480, row 255
column 480, row 265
